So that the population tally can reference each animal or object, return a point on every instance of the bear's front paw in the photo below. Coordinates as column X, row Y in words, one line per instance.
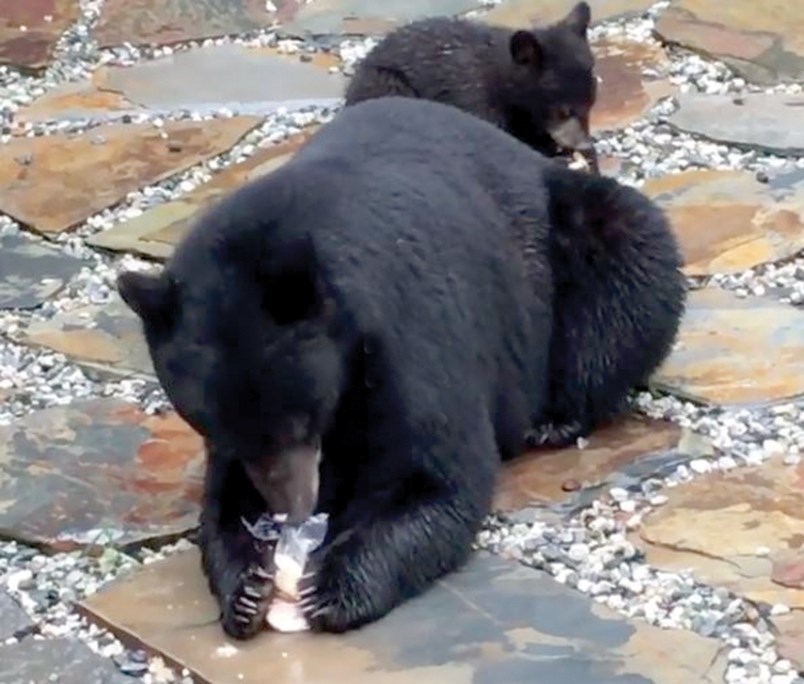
column 245, row 610
column 332, row 599
column 554, row 435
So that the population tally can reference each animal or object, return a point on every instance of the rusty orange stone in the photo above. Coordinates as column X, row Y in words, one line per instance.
column 29, row 30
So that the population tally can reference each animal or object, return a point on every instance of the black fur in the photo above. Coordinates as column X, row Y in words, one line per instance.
column 619, row 299
column 526, row 82
column 390, row 290
column 373, row 291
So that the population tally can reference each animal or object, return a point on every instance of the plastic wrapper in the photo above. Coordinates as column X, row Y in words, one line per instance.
column 287, row 548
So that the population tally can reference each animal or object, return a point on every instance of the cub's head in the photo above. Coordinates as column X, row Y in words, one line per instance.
column 243, row 341
column 555, row 85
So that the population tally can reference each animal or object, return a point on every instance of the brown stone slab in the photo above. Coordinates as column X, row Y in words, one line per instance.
column 98, row 471
column 494, row 622
column 790, row 637
column 630, row 82
column 730, row 528
column 44, row 21
column 728, row 222
column 734, row 351
column 107, row 336
column 156, row 232
column 55, row 182
column 546, row 477
column 163, row 22
column 524, row 13
column 762, row 41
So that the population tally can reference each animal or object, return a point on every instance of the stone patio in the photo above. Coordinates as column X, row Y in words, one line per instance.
column 118, row 163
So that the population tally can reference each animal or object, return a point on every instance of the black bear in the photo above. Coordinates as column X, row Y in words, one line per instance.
column 368, row 330
column 537, row 84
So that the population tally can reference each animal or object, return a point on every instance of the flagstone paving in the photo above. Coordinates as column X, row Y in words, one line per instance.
column 53, row 183
column 105, row 336
column 761, row 41
column 163, row 22
column 493, row 622
column 101, row 472
column 727, row 221
column 13, row 619
column 748, row 537
column 29, row 30
column 723, row 336
column 98, row 472
column 157, row 231
column 768, row 123
column 32, row 273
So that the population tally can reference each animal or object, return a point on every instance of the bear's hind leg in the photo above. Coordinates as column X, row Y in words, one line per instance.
column 229, row 556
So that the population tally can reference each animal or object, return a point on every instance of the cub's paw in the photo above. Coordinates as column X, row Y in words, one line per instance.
column 244, row 613
column 554, row 435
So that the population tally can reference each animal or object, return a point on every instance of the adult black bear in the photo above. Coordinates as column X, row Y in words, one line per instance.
column 384, row 302
column 537, row 84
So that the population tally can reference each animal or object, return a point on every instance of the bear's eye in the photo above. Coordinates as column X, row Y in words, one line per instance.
column 564, row 113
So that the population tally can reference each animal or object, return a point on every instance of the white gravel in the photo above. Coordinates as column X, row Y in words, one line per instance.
column 589, row 552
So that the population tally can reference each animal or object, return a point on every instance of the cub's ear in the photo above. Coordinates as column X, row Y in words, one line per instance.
column 578, row 19
column 525, row 49
column 151, row 297
column 293, row 289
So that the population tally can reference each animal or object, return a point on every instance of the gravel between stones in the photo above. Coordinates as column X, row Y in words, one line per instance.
column 590, row 552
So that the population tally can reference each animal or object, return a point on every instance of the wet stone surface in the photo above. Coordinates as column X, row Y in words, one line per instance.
column 30, row 273
column 107, row 336
column 727, row 221
column 52, row 183
column 736, row 351
column 14, row 621
column 493, row 622
column 567, row 476
column 156, row 232
column 768, row 123
column 30, row 29
column 37, row 661
column 761, row 41
column 97, row 472
column 163, row 22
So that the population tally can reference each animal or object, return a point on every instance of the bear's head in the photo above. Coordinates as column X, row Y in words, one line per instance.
column 243, row 341
column 555, row 86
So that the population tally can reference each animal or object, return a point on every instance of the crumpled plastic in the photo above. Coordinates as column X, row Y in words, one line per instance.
column 292, row 546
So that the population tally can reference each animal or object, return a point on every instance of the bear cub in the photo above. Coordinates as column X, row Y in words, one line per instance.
column 536, row 84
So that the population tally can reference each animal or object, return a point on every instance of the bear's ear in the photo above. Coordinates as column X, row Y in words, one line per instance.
column 151, row 297
column 525, row 49
column 578, row 19
column 293, row 288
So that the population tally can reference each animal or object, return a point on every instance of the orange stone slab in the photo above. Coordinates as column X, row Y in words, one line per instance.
column 524, row 13
column 30, row 29
column 547, row 477
column 728, row 222
column 53, row 183
column 762, row 41
column 625, row 91
column 732, row 528
column 162, row 22
column 494, row 621
column 156, row 232
column 98, row 472
column 733, row 351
